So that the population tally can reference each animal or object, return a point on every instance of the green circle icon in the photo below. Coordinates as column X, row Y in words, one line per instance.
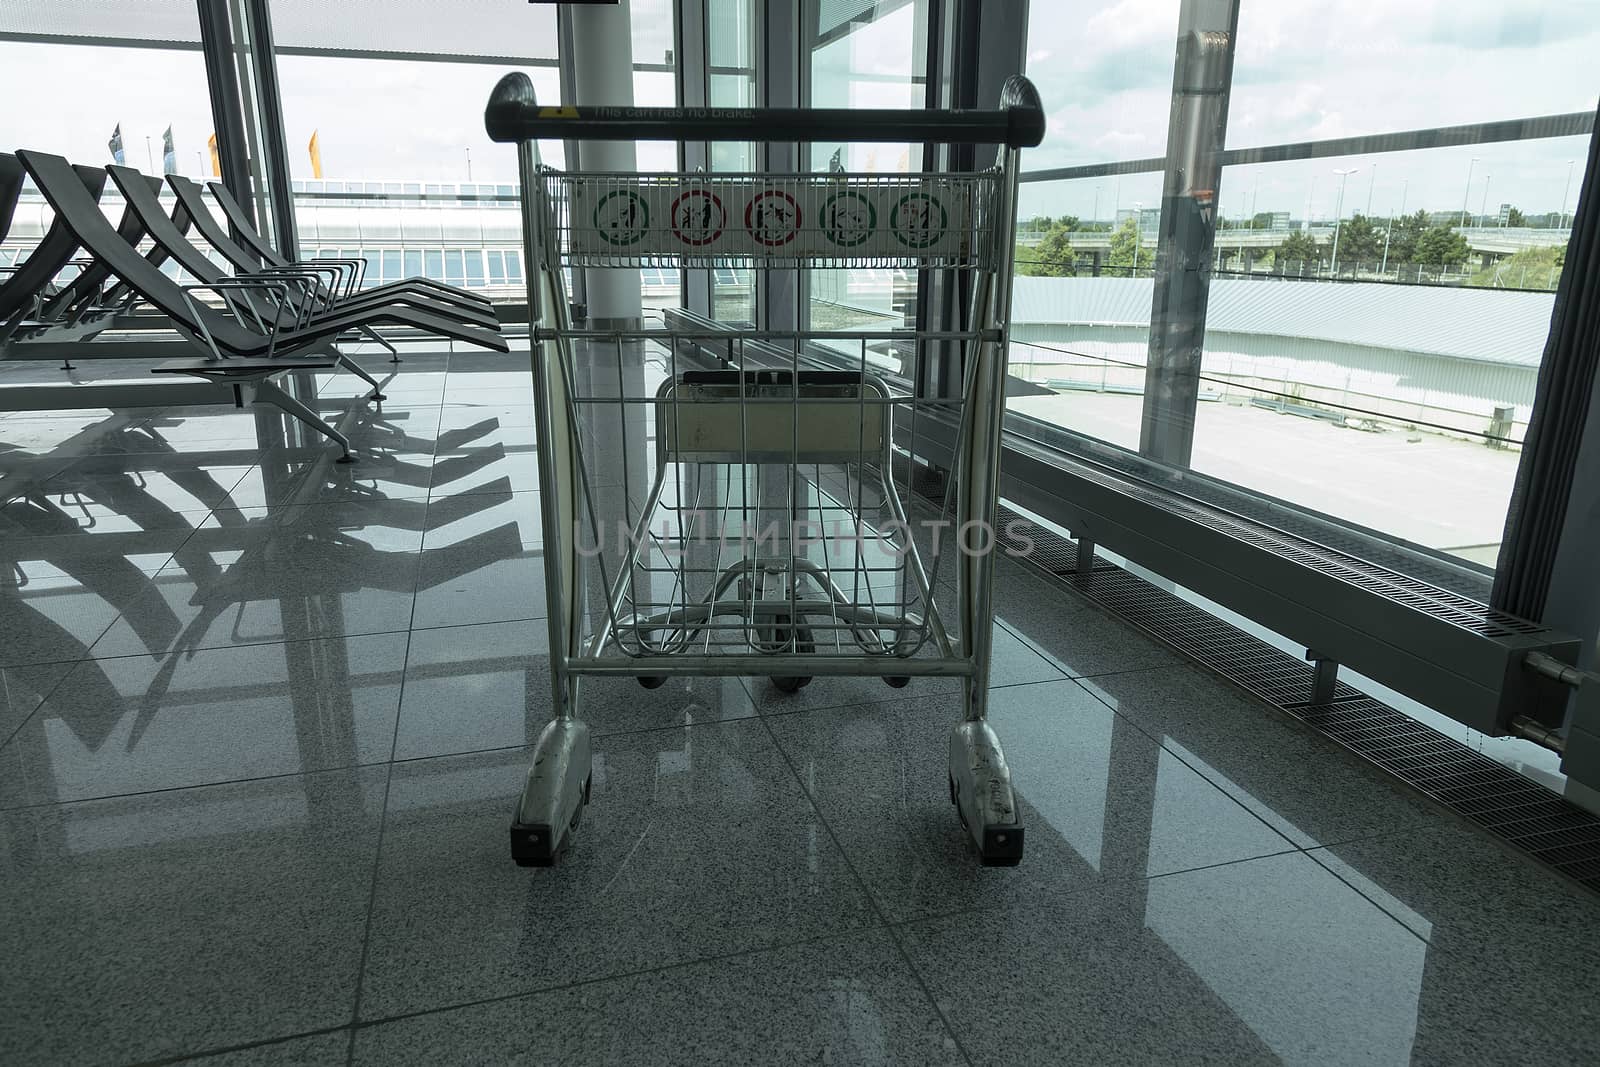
column 848, row 219
column 918, row 220
column 622, row 217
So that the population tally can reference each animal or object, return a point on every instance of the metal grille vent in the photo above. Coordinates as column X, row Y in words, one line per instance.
column 1502, row 802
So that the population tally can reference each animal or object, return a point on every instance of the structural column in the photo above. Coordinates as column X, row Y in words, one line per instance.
column 1184, row 244
column 602, row 76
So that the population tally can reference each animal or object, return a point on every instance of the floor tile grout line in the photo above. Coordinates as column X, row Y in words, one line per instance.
column 867, row 893
column 88, row 647
column 43, row 700
column 1308, row 853
column 1338, row 752
column 366, row 926
column 383, row 818
column 534, row 991
column 253, row 779
column 364, row 765
column 1160, row 743
column 245, row 1046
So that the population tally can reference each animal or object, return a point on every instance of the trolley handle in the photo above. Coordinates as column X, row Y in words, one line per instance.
column 513, row 115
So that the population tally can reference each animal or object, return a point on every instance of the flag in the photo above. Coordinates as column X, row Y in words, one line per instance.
column 216, row 163
column 315, row 148
column 905, row 162
column 169, row 155
column 836, row 164
column 115, row 144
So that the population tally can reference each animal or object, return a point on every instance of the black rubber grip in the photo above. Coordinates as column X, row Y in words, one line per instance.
column 514, row 115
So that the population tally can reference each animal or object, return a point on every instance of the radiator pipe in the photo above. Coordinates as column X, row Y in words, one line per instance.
column 1547, row 665
column 1538, row 733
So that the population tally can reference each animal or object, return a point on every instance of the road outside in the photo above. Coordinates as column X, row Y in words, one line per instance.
column 1437, row 491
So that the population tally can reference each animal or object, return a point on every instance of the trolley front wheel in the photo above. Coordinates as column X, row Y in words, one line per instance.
column 652, row 681
column 897, row 681
column 782, row 634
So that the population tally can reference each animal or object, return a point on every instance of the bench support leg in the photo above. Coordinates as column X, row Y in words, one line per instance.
column 1085, row 555
column 355, row 368
column 394, row 353
column 270, row 393
column 1324, row 677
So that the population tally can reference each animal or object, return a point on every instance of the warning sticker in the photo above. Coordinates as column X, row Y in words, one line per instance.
column 714, row 218
column 622, row 217
column 772, row 218
column 698, row 217
column 849, row 218
column 918, row 220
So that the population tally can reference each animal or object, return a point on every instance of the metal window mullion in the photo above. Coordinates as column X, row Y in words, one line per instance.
column 227, row 109
column 693, row 53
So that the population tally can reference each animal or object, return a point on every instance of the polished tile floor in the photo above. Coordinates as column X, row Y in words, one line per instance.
column 263, row 718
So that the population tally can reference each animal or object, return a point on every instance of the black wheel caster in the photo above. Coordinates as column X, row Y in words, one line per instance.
column 652, row 681
column 952, row 782
column 346, row 458
column 1002, row 846
column 781, row 635
column 897, row 681
column 530, row 846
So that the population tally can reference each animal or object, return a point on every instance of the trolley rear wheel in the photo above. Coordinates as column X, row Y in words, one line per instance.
column 652, row 681
column 897, row 681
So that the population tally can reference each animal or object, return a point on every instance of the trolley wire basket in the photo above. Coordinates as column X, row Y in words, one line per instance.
column 724, row 501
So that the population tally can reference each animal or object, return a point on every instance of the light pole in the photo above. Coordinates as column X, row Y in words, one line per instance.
column 1561, row 220
column 1311, row 205
column 1138, row 233
column 1390, row 231
column 1096, row 219
column 1370, row 185
column 150, row 158
column 469, row 164
column 1468, row 191
column 1483, row 208
column 1338, row 215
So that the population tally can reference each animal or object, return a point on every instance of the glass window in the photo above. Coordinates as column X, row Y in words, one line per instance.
column 391, row 265
column 876, row 61
column 428, row 135
column 514, row 268
column 1374, row 322
column 1378, row 68
column 474, row 264
column 497, row 267
column 106, row 73
column 413, row 259
column 454, row 268
column 1104, row 75
column 731, row 82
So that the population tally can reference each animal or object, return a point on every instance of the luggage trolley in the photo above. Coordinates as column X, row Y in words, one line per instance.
column 724, row 501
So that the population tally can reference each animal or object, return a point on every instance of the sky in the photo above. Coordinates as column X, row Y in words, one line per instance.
column 1304, row 69
column 1316, row 69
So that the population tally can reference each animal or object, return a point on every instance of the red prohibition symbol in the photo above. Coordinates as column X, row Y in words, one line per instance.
column 772, row 217
column 698, row 217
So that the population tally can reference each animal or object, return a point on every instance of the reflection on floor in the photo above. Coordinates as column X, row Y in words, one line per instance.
column 263, row 720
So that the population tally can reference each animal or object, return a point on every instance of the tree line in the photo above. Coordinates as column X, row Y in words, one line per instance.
column 1412, row 240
